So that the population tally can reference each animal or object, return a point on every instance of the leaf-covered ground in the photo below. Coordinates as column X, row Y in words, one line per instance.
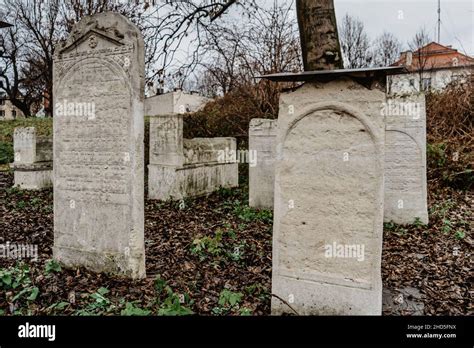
column 212, row 256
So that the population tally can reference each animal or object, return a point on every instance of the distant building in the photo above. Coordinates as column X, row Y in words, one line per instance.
column 7, row 110
column 176, row 102
column 432, row 67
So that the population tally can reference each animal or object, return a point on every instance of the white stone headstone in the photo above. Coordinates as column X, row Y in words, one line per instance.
column 328, row 214
column 262, row 136
column 405, row 159
column 98, row 147
column 24, row 145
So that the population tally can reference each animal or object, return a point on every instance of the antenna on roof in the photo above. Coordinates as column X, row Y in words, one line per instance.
column 439, row 21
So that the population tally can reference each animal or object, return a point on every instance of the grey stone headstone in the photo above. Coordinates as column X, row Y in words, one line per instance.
column 98, row 147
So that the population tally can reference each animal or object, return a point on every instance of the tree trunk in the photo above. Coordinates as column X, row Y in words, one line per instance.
column 318, row 31
column 24, row 107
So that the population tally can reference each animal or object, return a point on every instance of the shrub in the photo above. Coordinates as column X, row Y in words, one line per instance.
column 450, row 118
column 6, row 153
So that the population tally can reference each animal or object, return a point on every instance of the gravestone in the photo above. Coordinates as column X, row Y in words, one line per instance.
column 98, row 147
column 328, row 214
column 181, row 168
column 405, row 159
column 33, row 164
column 262, row 135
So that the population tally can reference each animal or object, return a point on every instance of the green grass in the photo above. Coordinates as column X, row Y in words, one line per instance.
column 44, row 127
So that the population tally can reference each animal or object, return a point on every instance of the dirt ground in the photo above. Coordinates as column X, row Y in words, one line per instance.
column 212, row 256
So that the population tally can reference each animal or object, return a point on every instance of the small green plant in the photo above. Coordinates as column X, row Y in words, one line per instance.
column 173, row 304
column 160, row 284
column 436, row 153
column 21, row 205
column 13, row 191
column 228, row 302
column 441, row 209
column 460, row 234
column 132, row 310
column 99, row 297
column 238, row 252
column 52, row 266
column 99, row 305
column 389, row 226
column 230, row 298
column 418, row 223
column 225, row 192
column 248, row 214
column 17, row 279
column 245, row 312
column 447, row 226
column 208, row 245
column 59, row 306
column 35, row 202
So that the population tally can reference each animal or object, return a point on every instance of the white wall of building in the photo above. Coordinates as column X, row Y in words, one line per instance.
column 8, row 111
column 438, row 79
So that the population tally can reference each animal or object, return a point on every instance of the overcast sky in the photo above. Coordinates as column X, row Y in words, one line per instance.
column 404, row 17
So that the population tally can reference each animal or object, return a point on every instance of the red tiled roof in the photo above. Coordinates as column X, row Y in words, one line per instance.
column 434, row 56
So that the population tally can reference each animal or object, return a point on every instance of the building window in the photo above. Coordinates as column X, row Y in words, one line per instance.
column 14, row 113
column 455, row 61
column 412, row 82
column 426, row 84
column 2, row 113
column 2, row 101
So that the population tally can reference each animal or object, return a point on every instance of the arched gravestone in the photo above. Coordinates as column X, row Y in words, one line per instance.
column 328, row 223
column 98, row 147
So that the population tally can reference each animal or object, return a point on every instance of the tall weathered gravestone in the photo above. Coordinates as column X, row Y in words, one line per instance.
column 405, row 159
column 98, row 147
column 328, row 219
column 262, row 136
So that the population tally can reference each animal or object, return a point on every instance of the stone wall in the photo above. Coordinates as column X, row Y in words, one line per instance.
column 181, row 168
column 33, row 166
